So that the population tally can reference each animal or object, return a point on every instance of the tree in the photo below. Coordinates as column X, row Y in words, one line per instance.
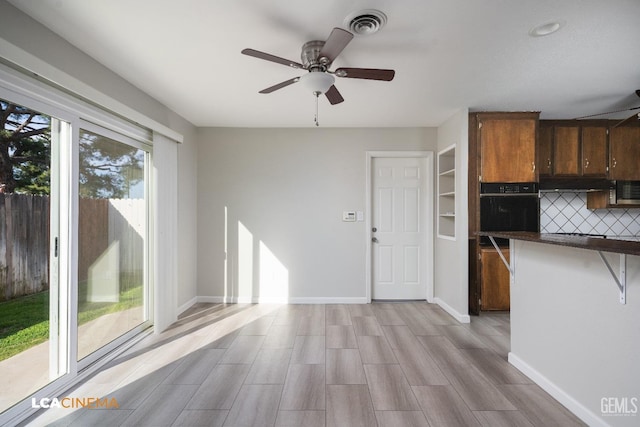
column 108, row 169
column 25, row 150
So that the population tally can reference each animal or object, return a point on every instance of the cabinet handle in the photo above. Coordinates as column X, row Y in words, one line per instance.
column 614, row 163
column 533, row 166
column 586, row 163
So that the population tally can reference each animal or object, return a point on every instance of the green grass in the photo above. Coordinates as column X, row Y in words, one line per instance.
column 88, row 311
column 24, row 322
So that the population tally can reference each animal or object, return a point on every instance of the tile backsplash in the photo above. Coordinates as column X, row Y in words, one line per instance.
column 566, row 212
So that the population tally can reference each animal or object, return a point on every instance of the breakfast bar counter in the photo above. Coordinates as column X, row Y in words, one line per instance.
column 574, row 330
column 614, row 245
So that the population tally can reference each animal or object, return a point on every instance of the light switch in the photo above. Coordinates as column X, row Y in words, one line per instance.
column 349, row 216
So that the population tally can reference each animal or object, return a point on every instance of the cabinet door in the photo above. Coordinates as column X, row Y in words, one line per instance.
column 508, row 150
column 594, row 151
column 545, row 150
column 624, row 146
column 566, row 144
column 495, row 280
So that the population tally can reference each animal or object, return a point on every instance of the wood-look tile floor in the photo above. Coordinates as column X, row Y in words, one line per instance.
column 383, row 364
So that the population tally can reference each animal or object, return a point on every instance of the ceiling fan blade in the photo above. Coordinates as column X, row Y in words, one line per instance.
column 337, row 41
column 272, row 58
column 607, row 112
column 366, row 73
column 334, row 96
column 623, row 121
column 280, row 85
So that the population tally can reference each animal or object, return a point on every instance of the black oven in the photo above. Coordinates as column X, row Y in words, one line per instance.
column 509, row 207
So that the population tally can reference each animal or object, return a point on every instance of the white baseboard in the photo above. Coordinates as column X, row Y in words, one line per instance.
column 186, row 305
column 216, row 300
column 462, row 318
column 578, row 409
column 258, row 300
column 328, row 300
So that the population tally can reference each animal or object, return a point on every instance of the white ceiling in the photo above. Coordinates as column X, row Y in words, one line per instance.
column 448, row 54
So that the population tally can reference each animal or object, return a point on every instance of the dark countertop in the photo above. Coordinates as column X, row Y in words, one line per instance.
column 583, row 242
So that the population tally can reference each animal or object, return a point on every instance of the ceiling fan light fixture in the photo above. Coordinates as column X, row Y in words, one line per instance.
column 317, row 81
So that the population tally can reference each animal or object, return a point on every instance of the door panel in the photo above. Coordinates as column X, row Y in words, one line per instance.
column 411, row 263
column 398, row 254
column 385, row 264
column 112, row 236
column 508, row 150
column 566, row 145
column 32, row 325
column 625, row 152
column 495, row 280
column 594, row 151
column 411, row 210
column 385, row 213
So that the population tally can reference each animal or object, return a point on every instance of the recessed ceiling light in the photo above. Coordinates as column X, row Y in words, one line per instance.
column 365, row 22
column 546, row 29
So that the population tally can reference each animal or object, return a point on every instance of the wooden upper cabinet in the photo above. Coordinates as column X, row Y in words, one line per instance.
column 624, row 149
column 508, row 149
column 566, row 150
column 572, row 149
column 594, row 151
column 545, row 150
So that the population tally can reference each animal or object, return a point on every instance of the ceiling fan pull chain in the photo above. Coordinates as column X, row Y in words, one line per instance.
column 317, row 94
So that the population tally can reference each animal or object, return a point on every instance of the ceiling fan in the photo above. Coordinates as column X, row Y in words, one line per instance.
column 317, row 56
column 633, row 116
column 621, row 122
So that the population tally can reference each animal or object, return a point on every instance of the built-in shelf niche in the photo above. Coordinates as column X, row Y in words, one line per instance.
column 447, row 193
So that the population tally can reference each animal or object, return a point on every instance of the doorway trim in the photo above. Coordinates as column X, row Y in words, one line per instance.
column 427, row 216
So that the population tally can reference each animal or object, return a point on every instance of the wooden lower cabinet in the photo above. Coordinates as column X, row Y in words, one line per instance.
column 494, row 280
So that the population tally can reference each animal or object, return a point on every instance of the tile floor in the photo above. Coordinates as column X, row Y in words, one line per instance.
column 383, row 364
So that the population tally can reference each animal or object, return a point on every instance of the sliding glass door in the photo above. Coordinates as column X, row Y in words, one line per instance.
column 29, row 289
column 112, row 238
column 74, row 245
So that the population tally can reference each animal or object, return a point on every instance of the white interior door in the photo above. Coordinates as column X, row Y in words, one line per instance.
column 398, row 234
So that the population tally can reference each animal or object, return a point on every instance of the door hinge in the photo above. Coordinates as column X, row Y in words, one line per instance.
column 480, row 125
column 55, row 247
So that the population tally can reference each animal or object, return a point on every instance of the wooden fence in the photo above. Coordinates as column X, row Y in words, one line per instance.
column 24, row 245
column 24, row 240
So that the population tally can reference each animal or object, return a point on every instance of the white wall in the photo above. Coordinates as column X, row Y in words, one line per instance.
column 284, row 191
column 57, row 58
column 452, row 256
column 570, row 333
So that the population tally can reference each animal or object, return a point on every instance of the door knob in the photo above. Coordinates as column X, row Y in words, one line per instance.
column 374, row 239
column 374, row 229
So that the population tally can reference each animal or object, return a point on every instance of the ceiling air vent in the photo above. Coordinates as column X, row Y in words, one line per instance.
column 366, row 22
